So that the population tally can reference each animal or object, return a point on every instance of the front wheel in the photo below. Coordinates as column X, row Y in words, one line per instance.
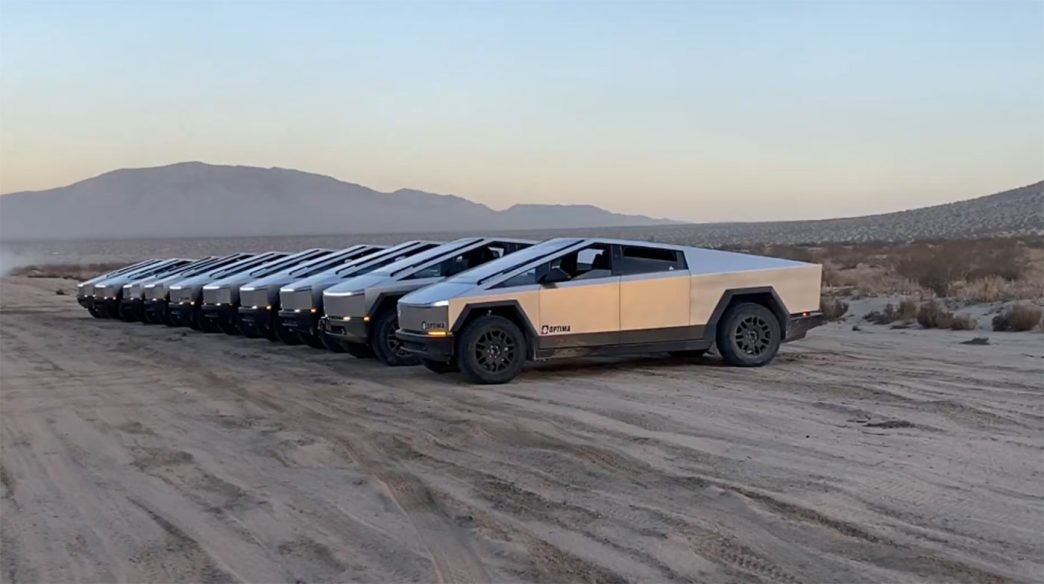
column 386, row 346
column 492, row 349
column 749, row 335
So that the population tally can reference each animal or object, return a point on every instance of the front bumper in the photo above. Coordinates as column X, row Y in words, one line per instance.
column 154, row 308
column 131, row 307
column 257, row 319
column 219, row 315
column 106, row 305
column 426, row 346
column 181, row 313
column 85, row 301
column 799, row 325
column 353, row 330
column 300, row 321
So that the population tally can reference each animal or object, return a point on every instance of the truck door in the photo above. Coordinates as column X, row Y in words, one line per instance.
column 585, row 310
column 654, row 294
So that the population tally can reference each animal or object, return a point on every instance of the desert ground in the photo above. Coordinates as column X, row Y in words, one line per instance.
column 137, row 453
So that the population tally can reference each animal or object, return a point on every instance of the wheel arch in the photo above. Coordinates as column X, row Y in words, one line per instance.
column 509, row 309
column 763, row 295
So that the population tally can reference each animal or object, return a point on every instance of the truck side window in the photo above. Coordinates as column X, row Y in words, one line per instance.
column 586, row 264
column 647, row 260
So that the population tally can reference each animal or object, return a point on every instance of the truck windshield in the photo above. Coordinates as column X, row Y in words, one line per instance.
column 513, row 260
column 385, row 257
column 417, row 259
column 287, row 262
column 322, row 264
column 246, row 264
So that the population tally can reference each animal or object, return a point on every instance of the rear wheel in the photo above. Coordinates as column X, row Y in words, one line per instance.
column 491, row 350
column 386, row 346
column 749, row 335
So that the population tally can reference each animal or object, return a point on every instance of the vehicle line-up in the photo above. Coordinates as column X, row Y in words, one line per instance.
column 483, row 306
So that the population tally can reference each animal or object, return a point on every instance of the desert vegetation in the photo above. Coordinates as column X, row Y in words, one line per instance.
column 930, row 281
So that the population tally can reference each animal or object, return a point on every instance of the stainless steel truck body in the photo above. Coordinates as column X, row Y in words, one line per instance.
column 156, row 295
column 301, row 302
column 85, row 289
column 186, row 296
column 109, row 292
column 576, row 296
column 221, row 297
column 132, row 304
column 259, row 299
column 361, row 311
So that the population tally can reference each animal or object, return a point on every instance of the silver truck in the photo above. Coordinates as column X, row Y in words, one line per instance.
column 156, row 295
column 85, row 289
column 361, row 311
column 301, row 302
column 132, row 304
column 186, row 296
column 259, row 300
column 221, row 296
column 108, row 293
column 571, row 297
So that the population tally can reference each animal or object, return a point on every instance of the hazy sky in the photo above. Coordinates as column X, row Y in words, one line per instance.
column 692, row 110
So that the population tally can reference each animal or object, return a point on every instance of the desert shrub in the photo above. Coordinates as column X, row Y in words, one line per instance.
column 907, row 309
column 931, row 315
column 963, row 322
column 833, row 308
column 1019, row 317
column 886, row 316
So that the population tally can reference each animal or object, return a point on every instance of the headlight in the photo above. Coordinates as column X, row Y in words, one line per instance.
column 211, row 287
column 441, row 303
column 247, row 289
column 342, row 294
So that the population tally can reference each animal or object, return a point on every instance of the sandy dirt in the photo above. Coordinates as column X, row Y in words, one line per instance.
column 137, row 453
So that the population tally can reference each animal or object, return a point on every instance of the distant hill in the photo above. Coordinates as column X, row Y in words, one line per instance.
column 1018, row 212
column 200, row 200
column 193, row 199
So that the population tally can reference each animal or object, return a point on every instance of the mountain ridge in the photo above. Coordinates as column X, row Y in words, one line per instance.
column 183, row 199
column 197, row 199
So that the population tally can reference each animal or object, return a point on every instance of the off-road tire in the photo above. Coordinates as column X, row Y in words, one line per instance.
column 95, row 312
column 748, row 335
column 491, row 349
column 386, row 346
column 438, row 366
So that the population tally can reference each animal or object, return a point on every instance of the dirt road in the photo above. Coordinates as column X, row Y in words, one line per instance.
column 136, row 453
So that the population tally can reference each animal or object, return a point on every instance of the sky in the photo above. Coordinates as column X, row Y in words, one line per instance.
column 703, row 111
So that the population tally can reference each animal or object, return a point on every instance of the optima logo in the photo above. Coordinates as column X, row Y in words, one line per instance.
column 550, row 329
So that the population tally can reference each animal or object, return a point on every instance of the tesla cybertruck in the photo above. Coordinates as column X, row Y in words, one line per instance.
column 85, row 289
column 361, row 312
column 571, row 297
column 221, row 296
column 301, row 302
column 185, row 303
column 259, row 300
column 108, row 293
column 156, row 295
column 132, row 303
